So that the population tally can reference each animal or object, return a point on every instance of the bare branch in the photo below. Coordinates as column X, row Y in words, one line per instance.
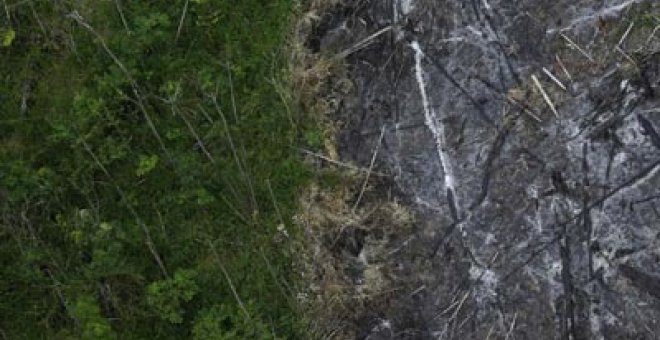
column 183, row 17
column 552, row 76
column 342, row 164
column 513, row 325
column 545, row 95
column 193, row 132
column 371, row 166
column 4, row 2
column 272, row 197
column 362, row 43
column 138, row 220
column 138, row 96
column 577, row 47
column 229, row 281
column 563, row 67
column 239, row 163
column 625, row 34
column 121, row 15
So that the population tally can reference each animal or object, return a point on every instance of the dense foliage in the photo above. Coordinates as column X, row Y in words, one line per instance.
column 147, row 170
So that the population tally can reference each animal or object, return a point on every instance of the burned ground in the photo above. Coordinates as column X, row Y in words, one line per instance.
column 524, row 136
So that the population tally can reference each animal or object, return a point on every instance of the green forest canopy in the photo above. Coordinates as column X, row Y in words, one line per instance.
column 146, row 165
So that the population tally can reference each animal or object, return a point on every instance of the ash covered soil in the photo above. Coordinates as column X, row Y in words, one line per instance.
column 525, row 136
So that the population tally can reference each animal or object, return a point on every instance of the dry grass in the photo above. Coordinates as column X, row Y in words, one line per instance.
column 347, row 253
column 345, row 250
column 318, row 80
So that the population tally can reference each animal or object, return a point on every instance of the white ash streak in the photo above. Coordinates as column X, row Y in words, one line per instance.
column 406, row 6
column 608, row 12
column 402, row 8
column 432, row 122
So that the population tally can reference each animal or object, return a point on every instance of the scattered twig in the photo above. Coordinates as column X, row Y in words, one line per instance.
column 545, row 95
column 490, row 332
column 341, row 164
column 648, row 40
column 362, row 43
column 625, row 35
column 371, row 166
column 452, row 319
column 416, row 291
column 552, row 76
column 511, row 99
column 577, row 47
column 513, row 324
column 453, row 304
column 466, row 320
column 627, row 56
column 561, row 64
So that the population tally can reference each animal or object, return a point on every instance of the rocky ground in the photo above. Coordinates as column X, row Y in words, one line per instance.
column 525, row 136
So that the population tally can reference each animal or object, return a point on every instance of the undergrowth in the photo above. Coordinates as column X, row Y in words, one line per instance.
column 148, row 170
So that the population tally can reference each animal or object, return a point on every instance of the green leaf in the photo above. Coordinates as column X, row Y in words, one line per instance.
column 167, row 297
column 8, row 37
column 93, row 324
column 146, row 164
